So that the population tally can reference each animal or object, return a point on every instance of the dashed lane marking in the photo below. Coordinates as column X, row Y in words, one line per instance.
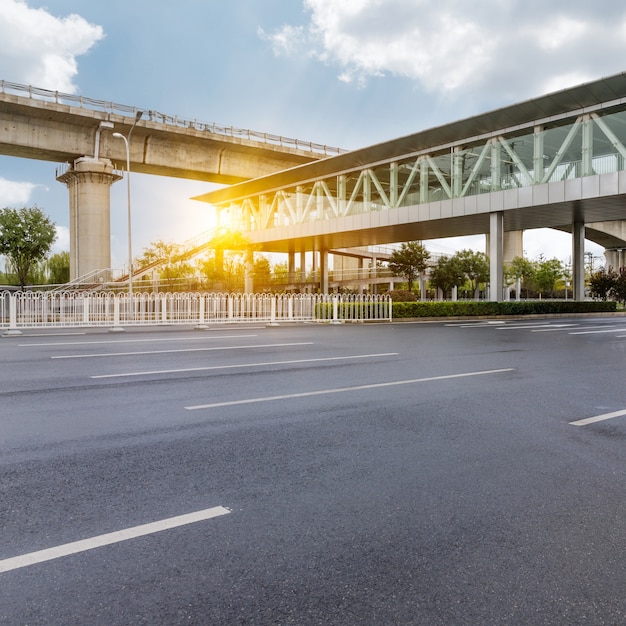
column 322, row 392
column 244, row 365
column 108, row 354
column 83, row 545
column 111, row 341
column 598, row 418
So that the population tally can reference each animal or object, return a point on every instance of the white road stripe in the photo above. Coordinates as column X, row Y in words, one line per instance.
column 87, row 343
column 75, row 547
column 598, row 418
column 344, row 389
column 523, row 326
column 593, row 332
column 243, row 365
column 107, row 354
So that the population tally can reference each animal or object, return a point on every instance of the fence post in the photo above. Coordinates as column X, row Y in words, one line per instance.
column 201, row 325
column 335, row 318
column 273, row 321
column 12, row 317
column 86, row 300
column 116, row 317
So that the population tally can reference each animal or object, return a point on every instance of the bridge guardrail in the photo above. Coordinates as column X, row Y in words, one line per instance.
column 171, row 120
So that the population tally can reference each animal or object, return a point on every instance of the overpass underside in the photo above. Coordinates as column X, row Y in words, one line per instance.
column 510, row 170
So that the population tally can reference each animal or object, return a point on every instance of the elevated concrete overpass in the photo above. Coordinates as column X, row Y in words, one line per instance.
column 556, row 161
column 77, row 131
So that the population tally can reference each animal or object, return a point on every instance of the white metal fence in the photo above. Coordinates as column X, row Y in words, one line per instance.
column 34, row 309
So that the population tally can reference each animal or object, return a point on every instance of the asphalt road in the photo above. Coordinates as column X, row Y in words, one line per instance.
column 410, row 473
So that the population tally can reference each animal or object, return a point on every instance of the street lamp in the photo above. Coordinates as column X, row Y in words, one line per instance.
column 130, row 239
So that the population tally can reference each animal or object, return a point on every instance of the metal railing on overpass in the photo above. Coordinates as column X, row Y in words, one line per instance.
column 170, row 120
column 31, row 309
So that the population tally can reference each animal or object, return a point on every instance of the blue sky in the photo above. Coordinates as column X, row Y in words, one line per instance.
column 346, row 73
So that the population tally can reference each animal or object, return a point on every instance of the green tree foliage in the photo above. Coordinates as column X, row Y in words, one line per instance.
column 58, row 268
column 409, row 260
column 618, row 291
column 548, row 272
column 262, row 273
column 601, row 283
column 169, row 259
column 525, row 270
column 26, row 237
column 475, row 266
column 447, row 274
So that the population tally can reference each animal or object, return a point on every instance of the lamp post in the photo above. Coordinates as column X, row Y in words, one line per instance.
column 130, row 238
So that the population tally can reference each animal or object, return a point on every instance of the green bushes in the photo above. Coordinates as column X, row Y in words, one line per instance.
column 472, row 308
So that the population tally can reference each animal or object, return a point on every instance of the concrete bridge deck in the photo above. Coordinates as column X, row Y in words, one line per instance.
column 45, row 125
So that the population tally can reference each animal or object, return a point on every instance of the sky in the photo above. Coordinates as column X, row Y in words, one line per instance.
column 345, row 73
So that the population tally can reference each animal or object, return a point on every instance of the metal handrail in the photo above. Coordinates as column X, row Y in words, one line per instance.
column 170, row 120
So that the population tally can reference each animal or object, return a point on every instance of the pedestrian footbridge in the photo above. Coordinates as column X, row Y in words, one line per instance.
column 557, row 161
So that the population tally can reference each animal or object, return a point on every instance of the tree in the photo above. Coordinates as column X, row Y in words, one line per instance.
column 475, row 266
column 58, row 266
column 447, row 274
column 410, row 260
column 26, row 237
column 548, row 272
column 169, row 258
column 262, row 272
column 602, row 282
column 525, row 270
column 618, row 291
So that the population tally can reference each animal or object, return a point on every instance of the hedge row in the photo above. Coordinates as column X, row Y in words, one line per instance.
column 469, row 308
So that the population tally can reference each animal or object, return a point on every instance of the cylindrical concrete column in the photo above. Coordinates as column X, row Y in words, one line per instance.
column 496, row 254
column 89, row 182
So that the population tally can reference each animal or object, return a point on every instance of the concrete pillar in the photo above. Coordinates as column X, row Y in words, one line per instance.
column 303, row 267
column 512, row 246
column 614, row 258
column 496, row 255
column 578, row 260
column 89, row 181
column 291, row 266
column 323, row 271
column 423, row 280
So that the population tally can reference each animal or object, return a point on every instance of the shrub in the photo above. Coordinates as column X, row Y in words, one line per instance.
column 472, row 308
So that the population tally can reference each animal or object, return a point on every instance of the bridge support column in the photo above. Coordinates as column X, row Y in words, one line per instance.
column 291, row 266
column 578, row 260
column 496, row 256
column 303, row 267
column 89, row 181
column 614, row 258
column 323, row 271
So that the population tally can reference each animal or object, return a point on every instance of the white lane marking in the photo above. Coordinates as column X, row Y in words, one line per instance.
column 75, row 547
column 598, row 418
column 552, row 328
column 322, row 392
column 242, row 365
column 476, row 324
column 107, row 354
column 523, row 326
column 51, row 335
column 86, row 343
column 593, row 332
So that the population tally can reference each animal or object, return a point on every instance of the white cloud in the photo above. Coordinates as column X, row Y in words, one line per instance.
column 62, row 242
column 41, row 49
column 508, row 49
column 14, row 193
